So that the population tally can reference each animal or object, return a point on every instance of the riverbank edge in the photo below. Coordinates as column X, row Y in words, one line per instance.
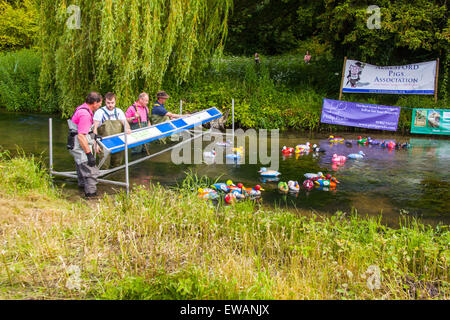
column 167, row 244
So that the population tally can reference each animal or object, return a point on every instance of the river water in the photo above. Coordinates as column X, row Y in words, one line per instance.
column 413, row 182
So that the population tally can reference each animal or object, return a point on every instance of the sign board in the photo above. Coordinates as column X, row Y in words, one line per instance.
column 418, row 78
column 361, row 115
column 431, row 121
column 116, row 143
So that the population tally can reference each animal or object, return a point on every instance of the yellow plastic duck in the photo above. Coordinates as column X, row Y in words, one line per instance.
column 238, row 149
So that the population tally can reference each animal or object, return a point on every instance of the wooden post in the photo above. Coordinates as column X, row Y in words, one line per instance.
column 436, row 81
column 342, row 80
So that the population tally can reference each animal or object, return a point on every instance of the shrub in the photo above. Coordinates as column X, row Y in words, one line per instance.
column 19, row 84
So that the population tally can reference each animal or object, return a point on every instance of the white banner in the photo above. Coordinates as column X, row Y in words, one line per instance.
column 418, row 78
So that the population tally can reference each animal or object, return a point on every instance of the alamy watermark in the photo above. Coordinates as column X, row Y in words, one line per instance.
column 74, row 21
column 374, row 21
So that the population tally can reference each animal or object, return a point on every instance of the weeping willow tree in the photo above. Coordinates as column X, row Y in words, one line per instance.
column 124, row 46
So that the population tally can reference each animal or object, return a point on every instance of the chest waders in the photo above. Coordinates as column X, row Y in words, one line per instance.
column 108, row 128
column 156, row 119
column 87, row 176
column 137, row 125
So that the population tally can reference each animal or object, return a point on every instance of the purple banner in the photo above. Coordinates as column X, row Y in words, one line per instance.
column 363, row 115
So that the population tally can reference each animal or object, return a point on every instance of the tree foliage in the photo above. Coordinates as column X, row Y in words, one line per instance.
column 125, row 46
column 18, row 24
column 409, row 28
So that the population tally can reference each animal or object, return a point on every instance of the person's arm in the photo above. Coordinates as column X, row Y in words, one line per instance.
column 131, row 115
column 128, row 129
column 96, row 125
column 173, row 115
column 84, row 143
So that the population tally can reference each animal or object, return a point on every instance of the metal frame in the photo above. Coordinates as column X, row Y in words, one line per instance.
column 72, row 174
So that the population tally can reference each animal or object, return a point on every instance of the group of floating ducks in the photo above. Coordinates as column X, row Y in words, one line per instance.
column 230, row 192
column 370, row 141
column 235, row 155
column 340, row 159
column 301, row 148
column 312, row 180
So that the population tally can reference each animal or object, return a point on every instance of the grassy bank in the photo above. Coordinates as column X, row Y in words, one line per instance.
column 167, row 244
column 282, row 92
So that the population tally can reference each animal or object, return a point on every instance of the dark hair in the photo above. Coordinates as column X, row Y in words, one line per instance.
column 93, row 97
column 109, row 96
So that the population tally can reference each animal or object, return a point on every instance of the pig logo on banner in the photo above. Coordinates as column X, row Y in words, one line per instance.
column 354, row 73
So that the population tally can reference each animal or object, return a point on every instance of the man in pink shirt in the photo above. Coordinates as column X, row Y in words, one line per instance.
column 137, row 116
column 81, row 143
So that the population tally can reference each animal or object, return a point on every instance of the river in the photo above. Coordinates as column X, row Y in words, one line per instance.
column 412, row 182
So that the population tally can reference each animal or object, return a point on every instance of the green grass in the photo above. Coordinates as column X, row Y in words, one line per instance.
column 168, row 244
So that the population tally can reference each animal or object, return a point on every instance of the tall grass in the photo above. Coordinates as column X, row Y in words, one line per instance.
column 165, row 244
column 23, row 174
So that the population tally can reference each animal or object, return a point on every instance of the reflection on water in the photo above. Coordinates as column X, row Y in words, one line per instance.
column 416, row 180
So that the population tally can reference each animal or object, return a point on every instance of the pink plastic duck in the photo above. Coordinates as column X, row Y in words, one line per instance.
column 338, row 159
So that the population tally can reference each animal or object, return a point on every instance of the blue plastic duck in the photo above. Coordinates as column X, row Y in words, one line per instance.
column 359, row 155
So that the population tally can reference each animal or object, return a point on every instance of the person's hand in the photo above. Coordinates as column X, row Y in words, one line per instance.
column 98, row 148
column 91, row 159
column 128, row 131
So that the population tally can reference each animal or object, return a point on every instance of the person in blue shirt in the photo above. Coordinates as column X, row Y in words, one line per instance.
column 159, row 113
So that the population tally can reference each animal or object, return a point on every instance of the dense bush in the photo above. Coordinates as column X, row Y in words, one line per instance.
column 18, row 24
column 19, row 81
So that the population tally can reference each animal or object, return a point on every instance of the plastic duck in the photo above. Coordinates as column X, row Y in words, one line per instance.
column 359, row 155
column 383, row 144
column 390, row 145
column 223, row 187
column 348, row 144
column 209, row 154
column 230, row 198
column 293, row 186
column 362, row 141
column 268, row 173
column 283, row 187
column 298, row 150
column 239, row 192
column 406, row 145
column 233, row 156
column 255, row 192
column 304, row 147
column 372, row 142
column 239, row 150
column 315, row 148
column 313, row 175
column 322, row 182
column 208, row 193
column 287, row 150
column 308, row 184
column 333, row 182
column 338, row 159
column 335, row 139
